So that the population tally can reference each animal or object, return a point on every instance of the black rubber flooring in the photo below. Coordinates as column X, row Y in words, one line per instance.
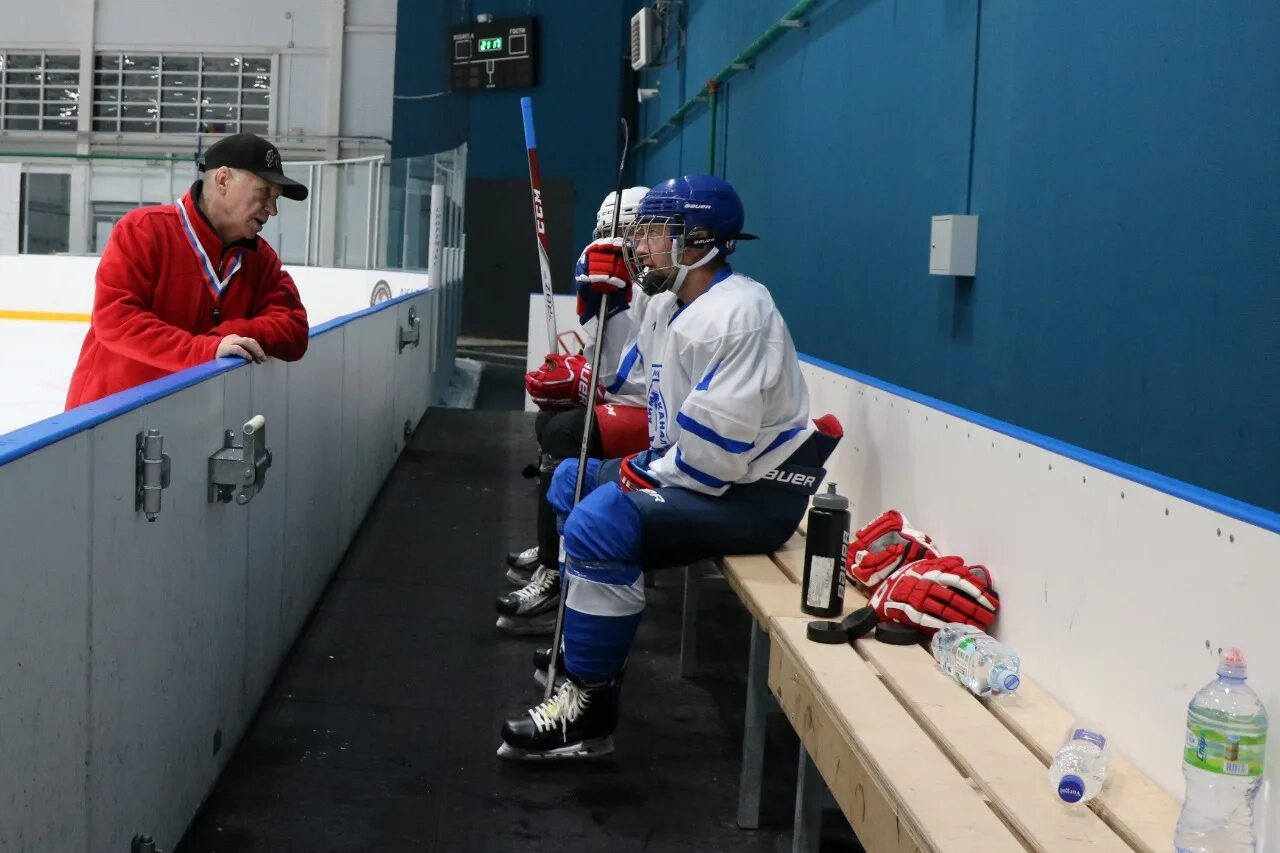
column 380, row 730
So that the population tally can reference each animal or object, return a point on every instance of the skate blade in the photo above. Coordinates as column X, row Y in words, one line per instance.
column 540, row 676
column 582, row 751
column 524, row 627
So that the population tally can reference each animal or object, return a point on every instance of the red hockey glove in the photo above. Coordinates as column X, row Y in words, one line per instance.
column 633, row 473
column 884, row 546
column 562, row 382
column 602, row 274
column 928, row 594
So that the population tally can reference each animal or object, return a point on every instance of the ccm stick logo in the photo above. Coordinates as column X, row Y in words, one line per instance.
column 537, row 211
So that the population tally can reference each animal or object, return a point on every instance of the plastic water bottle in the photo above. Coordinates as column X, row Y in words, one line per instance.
column 1080, row 767
column 1222, row 762
column 825, row 544
column 981, row 663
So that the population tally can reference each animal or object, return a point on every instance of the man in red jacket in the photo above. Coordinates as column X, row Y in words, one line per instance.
column 183, row 283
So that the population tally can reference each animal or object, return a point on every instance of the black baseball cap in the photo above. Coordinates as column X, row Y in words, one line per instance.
column 252, row 153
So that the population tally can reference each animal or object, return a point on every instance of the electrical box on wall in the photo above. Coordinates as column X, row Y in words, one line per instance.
column 644, row 30
column 953, row 245
column 493, row 54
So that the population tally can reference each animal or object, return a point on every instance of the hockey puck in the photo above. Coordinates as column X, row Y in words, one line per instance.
column 897, row 635
column 823, row 631
column 859, row 623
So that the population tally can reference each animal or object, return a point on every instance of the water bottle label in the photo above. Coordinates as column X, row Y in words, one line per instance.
column 1230, row 755
column 821, row 570
column 1071, row 788
column 1091, row 736
column 962, row 658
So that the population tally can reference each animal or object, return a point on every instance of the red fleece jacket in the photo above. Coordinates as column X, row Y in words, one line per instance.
column 155, row 311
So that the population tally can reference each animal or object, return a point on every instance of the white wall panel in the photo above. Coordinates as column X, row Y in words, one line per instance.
column 247, row 23
column 44, row 661
column 1117, row 595
column 313, row 470
column 168, row 623
column 265, row 640
column 368, row 82
column 52, row 23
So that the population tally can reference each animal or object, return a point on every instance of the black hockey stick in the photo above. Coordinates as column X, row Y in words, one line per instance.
column 602, row 316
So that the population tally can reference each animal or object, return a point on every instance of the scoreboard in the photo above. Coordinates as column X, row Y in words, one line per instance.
column 493, row 55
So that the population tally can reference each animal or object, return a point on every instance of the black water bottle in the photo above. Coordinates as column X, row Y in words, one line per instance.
column 827, row 538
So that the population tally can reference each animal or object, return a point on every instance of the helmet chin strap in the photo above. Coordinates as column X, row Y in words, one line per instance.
column 682, row 270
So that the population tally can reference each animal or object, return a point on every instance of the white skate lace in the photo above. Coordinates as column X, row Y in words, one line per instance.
column 543, row 579
column 563, row 708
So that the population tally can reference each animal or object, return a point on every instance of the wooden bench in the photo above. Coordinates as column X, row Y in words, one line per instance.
column 912, row 759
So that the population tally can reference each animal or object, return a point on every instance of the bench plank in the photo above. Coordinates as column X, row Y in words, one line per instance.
column 893, row 784
column 1135, row 807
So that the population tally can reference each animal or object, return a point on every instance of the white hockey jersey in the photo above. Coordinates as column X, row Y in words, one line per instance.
column 726, row 399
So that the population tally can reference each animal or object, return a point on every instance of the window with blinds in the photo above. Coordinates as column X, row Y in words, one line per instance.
column 39, row 90
column 181, row 93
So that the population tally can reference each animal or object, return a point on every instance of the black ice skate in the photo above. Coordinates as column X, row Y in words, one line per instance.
column 532, row 608
column 576, row 722
column 521, row 565
column 542, row 661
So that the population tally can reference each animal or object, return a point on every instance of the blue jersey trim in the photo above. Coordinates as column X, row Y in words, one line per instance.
column 624, row 369
column 1214, row 501
column 701, row 476
column 706, row 433
column 781, row 439
column 705, row 384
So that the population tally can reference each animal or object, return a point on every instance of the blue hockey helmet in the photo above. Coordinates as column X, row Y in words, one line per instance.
column 695, row 211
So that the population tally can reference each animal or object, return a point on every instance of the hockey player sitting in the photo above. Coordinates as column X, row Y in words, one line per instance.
column 727, row 408
column 559, row 388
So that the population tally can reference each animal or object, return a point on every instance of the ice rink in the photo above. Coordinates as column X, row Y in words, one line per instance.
column 36, row 360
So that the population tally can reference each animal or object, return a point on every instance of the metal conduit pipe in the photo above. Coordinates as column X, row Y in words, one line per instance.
column 791, row 20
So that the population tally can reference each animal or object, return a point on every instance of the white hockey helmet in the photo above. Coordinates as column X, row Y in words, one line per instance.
column 630, row 204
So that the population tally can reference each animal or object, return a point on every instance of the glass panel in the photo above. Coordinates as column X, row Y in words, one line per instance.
column 59, row 124
column 23, row 78
column 106, row 79
column 137, row 126
column 257, row 64
column 256, row 81
column 62, row 110
column 218, row 113
column 110, row 61
column 181, row 63
column 138, row 112
column 256, row 99
column 141, row 62
column 138, row 96
column 254, row 114
column 47, row 218
column 62, row 78
column 30, row 108
column 21, row 123
column 106, row 111
column 106, row 95
column 221, row 81
column 142, row 79
column 179, row 96
column 177, row 127
column 12, row 94
column 259, row 128
column 108, row 125
column 62, row 95
column 179, row 112
column 186, row 81
column 222, row 63
column 24, row 60
column 70, row 61
column 218, row 97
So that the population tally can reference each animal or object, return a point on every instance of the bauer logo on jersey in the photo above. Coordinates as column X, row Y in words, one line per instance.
column 657, row 410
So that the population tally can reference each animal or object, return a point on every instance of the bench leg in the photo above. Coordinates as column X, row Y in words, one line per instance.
column 689, row 622
column 806, row 834
column 753, row 729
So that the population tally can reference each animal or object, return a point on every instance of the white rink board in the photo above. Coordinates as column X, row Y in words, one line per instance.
column 1117, row 595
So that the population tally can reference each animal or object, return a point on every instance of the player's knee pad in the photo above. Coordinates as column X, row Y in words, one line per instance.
column 604, row 529
column 565, row 480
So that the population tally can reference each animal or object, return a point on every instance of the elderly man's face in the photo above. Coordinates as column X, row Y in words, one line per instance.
column 248, row 202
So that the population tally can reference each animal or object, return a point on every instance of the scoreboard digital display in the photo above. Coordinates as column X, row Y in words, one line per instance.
column 493, row 55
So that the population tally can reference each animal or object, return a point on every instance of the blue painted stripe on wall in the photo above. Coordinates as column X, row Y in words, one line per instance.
column 29, row 439
column 1231, row 507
